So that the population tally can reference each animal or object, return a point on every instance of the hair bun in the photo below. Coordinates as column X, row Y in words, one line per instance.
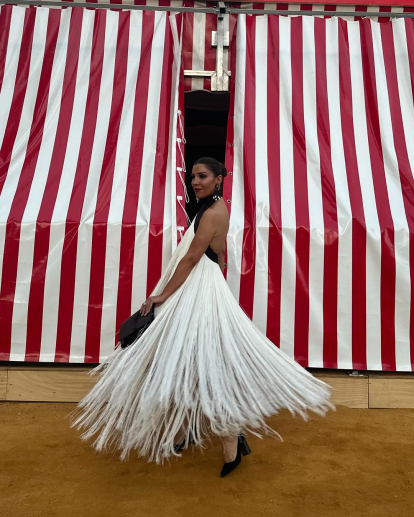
column 223, row 170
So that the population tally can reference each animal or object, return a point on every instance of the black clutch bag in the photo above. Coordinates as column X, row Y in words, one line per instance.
column 134, row 327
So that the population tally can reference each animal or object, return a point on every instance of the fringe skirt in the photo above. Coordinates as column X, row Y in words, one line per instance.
column 201, row 366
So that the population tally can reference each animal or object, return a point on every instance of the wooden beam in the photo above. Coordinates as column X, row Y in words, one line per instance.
column 48, row 385
column 387, row 390
column 3, row 383
column 347, row 391
column 71, row 383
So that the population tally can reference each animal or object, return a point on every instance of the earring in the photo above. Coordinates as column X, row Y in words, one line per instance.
column 216, row 196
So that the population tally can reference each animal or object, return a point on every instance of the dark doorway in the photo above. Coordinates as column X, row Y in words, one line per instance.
column 206, row 115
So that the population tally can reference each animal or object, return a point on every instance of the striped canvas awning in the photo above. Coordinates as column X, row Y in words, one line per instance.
column 87, row 162
column 321, row 194
column 321, row 146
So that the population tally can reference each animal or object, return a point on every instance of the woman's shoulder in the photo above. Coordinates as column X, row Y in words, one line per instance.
column 218, row 211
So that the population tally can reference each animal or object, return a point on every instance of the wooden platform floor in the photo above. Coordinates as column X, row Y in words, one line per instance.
column 52, row 383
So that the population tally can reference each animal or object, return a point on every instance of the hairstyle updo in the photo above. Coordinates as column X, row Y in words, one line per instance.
column 216, row 167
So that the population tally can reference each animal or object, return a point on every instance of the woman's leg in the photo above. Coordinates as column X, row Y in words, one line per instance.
column 179, row 437
column 229, row 447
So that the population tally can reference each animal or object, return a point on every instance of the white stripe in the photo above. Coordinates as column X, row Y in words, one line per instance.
column 139, row 279
column 236, row 225
column 404, row 85
column 28, row 227
column 345, row 8
column 373, row 265
column 84, row 249
column 57, row 228
column 316, row 221
column 121, row 167
column 373, row 9
column 401, row 233
column 6, row 96
column 199, row 46
column 262, row 178
column 10, row 66
column 343, row 204
column 169, row 241
column 14, row 172
column 19, row 149
column 287, row 187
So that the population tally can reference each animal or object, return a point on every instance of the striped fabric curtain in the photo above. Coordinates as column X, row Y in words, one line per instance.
column 87, row 149
column 321, row 149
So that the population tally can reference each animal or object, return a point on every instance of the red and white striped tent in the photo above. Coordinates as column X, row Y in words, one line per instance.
column 320, row 147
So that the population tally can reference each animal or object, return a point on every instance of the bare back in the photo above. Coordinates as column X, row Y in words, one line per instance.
column 218, row 243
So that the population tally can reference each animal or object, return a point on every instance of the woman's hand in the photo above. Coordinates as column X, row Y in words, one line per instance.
column 146, row 306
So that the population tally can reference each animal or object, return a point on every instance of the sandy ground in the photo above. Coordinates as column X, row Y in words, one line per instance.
column 353, row 462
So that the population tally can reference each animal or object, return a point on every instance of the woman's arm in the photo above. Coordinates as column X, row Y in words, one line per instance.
column 201, row 242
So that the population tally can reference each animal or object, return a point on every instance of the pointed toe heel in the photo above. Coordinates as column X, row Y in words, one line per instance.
column 242, row 449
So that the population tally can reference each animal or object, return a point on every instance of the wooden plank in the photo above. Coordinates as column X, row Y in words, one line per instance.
column 3, row 383
column 347, row 391
column 391, row 391
column 50, row 385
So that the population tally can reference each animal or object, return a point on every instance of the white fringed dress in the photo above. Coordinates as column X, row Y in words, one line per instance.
column 203, row 364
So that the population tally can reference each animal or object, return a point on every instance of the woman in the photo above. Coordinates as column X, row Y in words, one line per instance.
column 202, row 368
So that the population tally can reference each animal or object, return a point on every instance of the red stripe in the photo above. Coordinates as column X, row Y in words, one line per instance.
column 209, row 51
column 249, row 235
column 330, row 8
column 19, row 94
column 181, row 219
column 406, row 174
column 42, row 235
column 156, row 227
column 232, row 34
column 301, row 197
column 228, row 183
column 409, row 31
column 330, row 218
column 359, row 324
column 187, row 47
column 5, row 18
column 12, row 239
column 70, row 243
column 99, row 232
column 381, row 196
column 384, row 9
column 273, row 155
column 129, row 217
column 360, row 8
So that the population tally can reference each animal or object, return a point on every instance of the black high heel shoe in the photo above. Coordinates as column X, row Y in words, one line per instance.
column 242, row 448
column 180, row 446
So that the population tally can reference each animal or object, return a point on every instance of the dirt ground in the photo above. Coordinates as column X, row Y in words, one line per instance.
column 353, row 462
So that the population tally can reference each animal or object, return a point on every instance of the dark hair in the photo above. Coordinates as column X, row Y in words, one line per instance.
column 216, row 167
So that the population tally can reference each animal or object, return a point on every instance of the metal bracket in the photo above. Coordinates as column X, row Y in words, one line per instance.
column 220, row 39
column 355, row 373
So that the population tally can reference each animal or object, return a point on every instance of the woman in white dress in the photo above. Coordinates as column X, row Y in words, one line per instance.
column 202, row 367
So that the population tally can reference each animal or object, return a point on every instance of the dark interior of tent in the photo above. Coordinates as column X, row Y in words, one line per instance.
column 206, row 115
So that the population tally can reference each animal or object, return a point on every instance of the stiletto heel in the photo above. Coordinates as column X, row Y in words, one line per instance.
column 245, row 449
column 242, row 448
column 179, row 446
